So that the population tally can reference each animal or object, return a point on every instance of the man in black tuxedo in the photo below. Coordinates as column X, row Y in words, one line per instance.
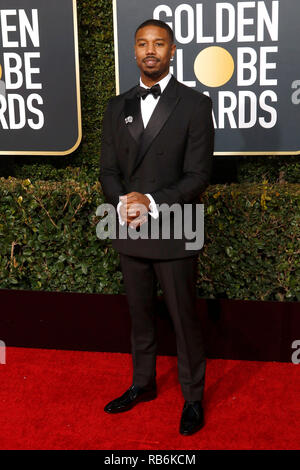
column 157, row 146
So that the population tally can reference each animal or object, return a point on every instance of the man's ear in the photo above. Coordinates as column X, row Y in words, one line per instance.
column 173, row 50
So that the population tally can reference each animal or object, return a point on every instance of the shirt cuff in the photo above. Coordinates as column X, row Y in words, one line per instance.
column 152, row 207
column 121, row 221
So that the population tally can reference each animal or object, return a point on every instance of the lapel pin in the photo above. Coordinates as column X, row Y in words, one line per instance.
column 128, row 119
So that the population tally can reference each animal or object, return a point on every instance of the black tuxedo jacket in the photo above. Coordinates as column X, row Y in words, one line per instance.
column 171, row 158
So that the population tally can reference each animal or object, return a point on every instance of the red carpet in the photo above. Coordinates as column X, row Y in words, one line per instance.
column 54, row 400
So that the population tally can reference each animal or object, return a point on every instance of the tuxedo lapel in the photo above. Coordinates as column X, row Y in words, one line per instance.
column 133, row 116
column 160, row 115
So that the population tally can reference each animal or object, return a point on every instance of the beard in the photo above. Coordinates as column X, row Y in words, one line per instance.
column 153, row 73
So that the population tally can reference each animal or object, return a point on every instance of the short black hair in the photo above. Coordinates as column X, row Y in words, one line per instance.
column 160, row 24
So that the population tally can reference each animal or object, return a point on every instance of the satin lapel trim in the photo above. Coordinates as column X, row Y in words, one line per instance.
column 160, row 115
column 132, row 110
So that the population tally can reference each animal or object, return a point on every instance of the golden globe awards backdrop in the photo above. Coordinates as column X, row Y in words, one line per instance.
column 39, row 77
column 243, row 54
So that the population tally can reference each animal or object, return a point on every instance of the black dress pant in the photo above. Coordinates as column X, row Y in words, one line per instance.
column 177, row 279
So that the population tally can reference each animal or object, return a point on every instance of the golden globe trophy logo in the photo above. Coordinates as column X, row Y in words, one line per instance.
column 243, row 54
column 39, row 78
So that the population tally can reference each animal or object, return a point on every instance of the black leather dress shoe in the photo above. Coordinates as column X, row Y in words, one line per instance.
column 192, row 418
column 129, row 399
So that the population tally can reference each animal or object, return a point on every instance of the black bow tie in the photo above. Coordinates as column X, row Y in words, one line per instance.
column 154, row 90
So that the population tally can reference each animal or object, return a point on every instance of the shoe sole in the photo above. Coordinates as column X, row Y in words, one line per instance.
column 190, row 433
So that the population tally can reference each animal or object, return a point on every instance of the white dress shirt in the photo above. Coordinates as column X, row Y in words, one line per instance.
column 147, row 107
column 149, row 103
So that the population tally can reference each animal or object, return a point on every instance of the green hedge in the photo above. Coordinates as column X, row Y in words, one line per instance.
column 275, row 169
column 48, row 240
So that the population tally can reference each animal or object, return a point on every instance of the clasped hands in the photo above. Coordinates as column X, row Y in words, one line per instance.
column 134, row 208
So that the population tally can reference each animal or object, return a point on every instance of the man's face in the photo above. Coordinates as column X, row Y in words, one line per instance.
column 153, row 51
